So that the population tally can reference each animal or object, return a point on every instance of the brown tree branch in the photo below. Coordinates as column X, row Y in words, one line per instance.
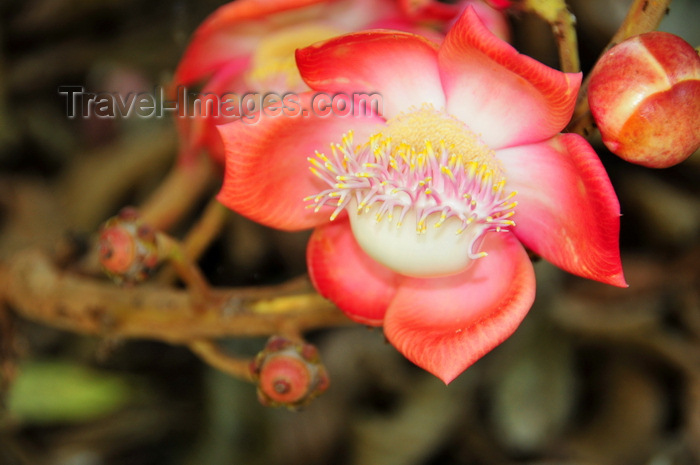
column 39, row 291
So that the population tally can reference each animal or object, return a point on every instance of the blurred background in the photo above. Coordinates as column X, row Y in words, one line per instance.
column 595, row 375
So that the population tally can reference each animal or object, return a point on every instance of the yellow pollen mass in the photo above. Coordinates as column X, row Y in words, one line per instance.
column 426, row 131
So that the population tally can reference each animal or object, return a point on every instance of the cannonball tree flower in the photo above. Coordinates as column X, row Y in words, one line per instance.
column 644, row 94
column 247, row 46
column 422, row 213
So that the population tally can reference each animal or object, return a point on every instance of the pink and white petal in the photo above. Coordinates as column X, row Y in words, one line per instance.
column 508, row 98
column 231, row 33
column 400, row 66
column 267, row 174
column 567, row 209
column 444, row 325
column 495, row 20
column 343, row 273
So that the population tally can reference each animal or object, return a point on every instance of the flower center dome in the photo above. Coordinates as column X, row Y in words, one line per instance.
column 273, row 66
column 428, row 169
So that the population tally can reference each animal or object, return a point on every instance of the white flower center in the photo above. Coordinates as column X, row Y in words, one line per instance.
column 427, row 169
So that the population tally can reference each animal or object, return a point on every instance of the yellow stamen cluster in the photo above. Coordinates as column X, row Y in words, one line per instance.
column 426, row 162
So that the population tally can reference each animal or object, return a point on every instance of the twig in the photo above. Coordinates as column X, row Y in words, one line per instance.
column 171, row 250
column 212, row 354
column 178, row 193
column 563, row 23
column 204, row 231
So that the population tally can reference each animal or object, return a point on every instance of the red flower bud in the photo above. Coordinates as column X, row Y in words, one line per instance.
column 644, row 94
column 288, row 374
column 127, row 247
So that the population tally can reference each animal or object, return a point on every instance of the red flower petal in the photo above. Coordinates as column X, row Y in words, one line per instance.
column 509, row 98
column 444, row 325
column 342, row 272
column 400, row 66
column 267, row 172
column 567, row 209
column 220, row 38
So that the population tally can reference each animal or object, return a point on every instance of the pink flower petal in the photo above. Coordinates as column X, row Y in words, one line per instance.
column 567, row 209
column 402, row 67
column 444, row 325
column 507, row 98
column 221, row 37
column 267, row 172
column 342, row 272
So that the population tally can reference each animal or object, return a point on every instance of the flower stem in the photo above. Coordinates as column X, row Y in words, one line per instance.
column 178, row 193
column 563, row 23
column 211, row 353
column 205, row 230
column 170, row 249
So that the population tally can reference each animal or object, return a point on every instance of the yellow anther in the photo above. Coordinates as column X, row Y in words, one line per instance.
column 445, row 170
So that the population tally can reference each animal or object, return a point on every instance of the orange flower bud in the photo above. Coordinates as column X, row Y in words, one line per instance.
column 288, row 374
column 644, row 94
column 127, row 248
